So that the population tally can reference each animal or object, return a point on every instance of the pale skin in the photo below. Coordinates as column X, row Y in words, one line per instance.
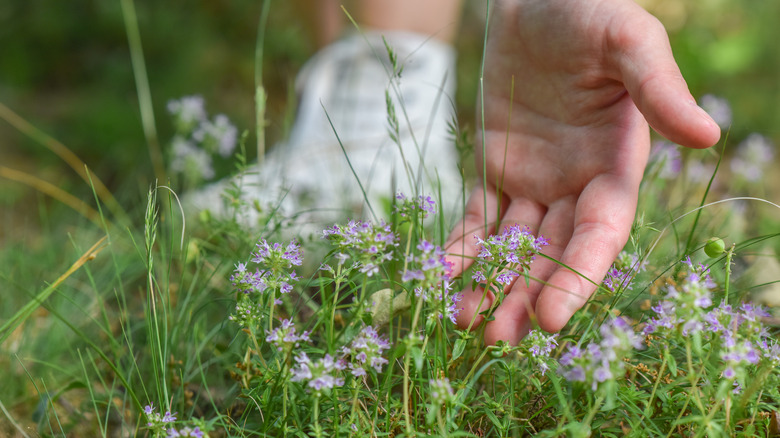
column 589, row 76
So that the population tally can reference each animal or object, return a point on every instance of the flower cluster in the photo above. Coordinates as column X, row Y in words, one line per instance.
column 753, row 155
column 507, row 254
column 190, row 160
column 540, row 345
column 601, row 361
column 738, row 335
column 741, row 336
column 665, row 159
column 274, row 273
column 198, row 138
column 430, row 273
column 365, row 352
column 684, row 303
column 441, row 391
column 429, row 268
column 285, row 338
column 185, row 432
column 623, row 271
column 155, row 420
column 422, row 205
column 319, row 375
column 370, row 245
column 218, row 136
column 277, row 261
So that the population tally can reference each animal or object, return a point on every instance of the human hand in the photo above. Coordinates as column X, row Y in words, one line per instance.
column 588, row 78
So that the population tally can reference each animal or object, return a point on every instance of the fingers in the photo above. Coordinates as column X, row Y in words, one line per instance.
column 640, row 49
column 602, row 222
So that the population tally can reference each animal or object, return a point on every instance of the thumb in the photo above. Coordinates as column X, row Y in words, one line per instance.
column 644, row 59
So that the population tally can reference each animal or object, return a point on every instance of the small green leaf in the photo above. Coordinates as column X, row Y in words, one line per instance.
column 458, row 348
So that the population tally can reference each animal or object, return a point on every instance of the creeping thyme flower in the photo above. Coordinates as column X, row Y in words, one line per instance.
column 370, row 245
column 442, row 302
column 601, row 361
column 429, row 269
column 666, row 158
column 737, row 355
column 319, row 375
column 191, row 161
column 740, row 335
column 430, row 273
column 187, row 112
column 684, row 303
column 285, row 337
column 406, row 207
column 506, row 254
column 753, row 155
column 219, row 136
column 737, row 335
column 540, row 346
column 277, row 261
column 623, row 271
column 770, row 350
column 441, row 391
column 185, row 432
column 718, row 108
column 365, row 351
column 154, row 419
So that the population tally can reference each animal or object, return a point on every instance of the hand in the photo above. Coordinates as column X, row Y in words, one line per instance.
column 588, row 77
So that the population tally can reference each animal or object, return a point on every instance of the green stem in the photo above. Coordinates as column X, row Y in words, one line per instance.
column 693, row 377
column 729, row 256
column 596, row 407
column 407, row 358
column 655, row 386
column 476, row 364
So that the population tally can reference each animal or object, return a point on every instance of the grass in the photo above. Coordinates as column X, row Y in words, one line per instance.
column 118, row 315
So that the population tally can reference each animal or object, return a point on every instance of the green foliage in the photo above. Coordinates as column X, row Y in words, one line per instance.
column 91, row 335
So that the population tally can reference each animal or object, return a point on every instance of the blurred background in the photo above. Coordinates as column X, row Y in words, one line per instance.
column 65, row 68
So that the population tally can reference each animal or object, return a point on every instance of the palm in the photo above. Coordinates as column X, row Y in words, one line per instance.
column 569, row 159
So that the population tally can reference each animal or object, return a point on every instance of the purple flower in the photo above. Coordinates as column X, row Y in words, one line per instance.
column 285, row 337
column 540, row 346
column 318, row 375
column 185, row 432
column 666, row 158
column 405, row 207
column 191, row 161
column 370, row 245
column 752, row 156
column 187, row 112
column 277, row 261
column 441, row 391
column 219, row 136
column 154, row 419
column 505, row 255
column 601, row 361
column 365, row 350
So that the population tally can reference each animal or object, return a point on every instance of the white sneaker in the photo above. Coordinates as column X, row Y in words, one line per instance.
column 342, row 93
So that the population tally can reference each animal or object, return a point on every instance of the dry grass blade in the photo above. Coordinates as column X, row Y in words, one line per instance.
column 55, row 192
column 9, row 326
column 66, row 155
